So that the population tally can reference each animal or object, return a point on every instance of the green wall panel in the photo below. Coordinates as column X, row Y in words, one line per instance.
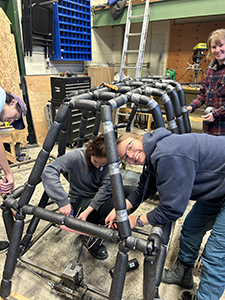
column 164, row 10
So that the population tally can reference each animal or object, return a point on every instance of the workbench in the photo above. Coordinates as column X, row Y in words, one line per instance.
column 6, row 135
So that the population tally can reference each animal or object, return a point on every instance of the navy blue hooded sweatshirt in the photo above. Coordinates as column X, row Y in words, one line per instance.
column 180, row 167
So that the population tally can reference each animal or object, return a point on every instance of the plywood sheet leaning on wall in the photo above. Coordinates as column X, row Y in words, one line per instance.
column 183, row 38
column 9, row 69
column 98, row 75
column 39, row 93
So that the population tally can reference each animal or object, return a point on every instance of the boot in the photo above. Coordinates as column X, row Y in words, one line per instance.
column 96, row 247
column 179, row 274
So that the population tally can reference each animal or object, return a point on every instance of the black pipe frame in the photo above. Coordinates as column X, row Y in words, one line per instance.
column 14, row 227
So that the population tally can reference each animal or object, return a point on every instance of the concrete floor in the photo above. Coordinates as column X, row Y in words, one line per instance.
column 57, row 247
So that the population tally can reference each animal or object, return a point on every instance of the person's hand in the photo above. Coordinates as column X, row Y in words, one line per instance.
column 65, row 210
column 83, row 216
column 208, row 118
column 7, row 184
column 189, row 108
column 110, row 218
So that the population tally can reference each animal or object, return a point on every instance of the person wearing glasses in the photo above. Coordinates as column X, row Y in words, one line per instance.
column 182, row 167
column 12, row 110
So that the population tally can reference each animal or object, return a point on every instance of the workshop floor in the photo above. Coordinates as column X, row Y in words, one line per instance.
column 57, row 247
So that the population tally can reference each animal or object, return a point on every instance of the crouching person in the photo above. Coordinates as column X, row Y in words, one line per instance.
column 90, row 195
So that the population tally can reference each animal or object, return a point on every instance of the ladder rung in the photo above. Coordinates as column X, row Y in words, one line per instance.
column 137, row 16
column 132, row 51
column 126, row 67
column 134, row 34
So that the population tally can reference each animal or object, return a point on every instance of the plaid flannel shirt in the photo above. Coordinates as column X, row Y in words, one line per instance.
column 212, row 93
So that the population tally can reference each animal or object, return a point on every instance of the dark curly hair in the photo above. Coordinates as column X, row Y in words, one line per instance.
column 95, row 147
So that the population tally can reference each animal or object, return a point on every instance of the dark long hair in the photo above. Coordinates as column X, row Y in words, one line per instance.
column 95, row 147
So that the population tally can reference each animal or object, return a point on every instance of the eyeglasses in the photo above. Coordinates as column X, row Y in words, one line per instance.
column 128, row 150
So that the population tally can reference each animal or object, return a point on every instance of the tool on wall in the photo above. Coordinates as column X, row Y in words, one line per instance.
column 199, row 52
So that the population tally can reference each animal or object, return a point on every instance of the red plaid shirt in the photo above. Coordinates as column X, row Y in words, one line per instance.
column 212, row 93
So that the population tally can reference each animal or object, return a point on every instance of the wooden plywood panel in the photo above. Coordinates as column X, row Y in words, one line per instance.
column 9, row 69
column 39, row 93
column 183, row 38
column 98, row 75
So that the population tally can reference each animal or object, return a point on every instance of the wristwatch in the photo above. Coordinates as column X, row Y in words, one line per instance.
column 139, row 222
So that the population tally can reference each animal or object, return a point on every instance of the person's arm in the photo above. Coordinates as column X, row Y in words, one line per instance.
column 112, row 215
column 199, row 100
column 8, row 181
column 52, row 183
column 175, row 179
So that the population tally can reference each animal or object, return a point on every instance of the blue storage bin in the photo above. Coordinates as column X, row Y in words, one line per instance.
column 72, row 30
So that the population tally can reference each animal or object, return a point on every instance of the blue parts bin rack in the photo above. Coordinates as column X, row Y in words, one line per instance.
column 72, row 30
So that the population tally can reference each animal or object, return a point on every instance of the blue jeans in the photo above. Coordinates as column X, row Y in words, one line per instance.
column 203, row 217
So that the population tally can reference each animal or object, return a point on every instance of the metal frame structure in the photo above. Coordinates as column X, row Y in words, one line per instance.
column 103, row 101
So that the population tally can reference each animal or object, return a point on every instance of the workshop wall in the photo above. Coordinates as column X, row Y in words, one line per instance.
column 183, row 38
column 108, row 43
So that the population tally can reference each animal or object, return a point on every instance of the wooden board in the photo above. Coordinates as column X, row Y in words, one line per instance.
column 99, row 75
column 39, row 93
column 183, row 38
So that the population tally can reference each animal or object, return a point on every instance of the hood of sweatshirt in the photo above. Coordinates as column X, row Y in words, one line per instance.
column 150, row 140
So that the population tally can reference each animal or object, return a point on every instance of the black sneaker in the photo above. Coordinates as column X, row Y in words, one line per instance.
column 96, row 247
column 4, row 245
